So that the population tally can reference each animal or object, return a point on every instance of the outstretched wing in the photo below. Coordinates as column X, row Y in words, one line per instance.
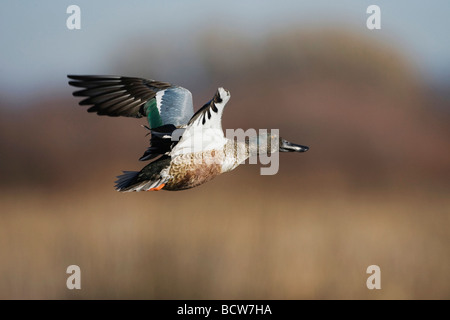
column 161, row 102
column 204, row 130
column 210, row 115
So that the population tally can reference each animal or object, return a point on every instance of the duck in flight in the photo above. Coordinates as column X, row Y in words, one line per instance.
column 186, row 149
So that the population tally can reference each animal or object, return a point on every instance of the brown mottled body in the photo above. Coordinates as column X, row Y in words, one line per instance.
column 193, row 169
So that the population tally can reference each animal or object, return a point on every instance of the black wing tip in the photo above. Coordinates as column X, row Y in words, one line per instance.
column 91, row 76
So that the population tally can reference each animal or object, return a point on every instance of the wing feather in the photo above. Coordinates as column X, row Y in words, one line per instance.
column 134, row 97
column 204, row 130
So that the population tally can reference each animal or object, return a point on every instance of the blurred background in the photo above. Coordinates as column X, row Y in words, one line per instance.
column 373, row 105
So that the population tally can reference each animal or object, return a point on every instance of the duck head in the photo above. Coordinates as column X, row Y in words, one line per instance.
column 286, row 146
column 271, row 142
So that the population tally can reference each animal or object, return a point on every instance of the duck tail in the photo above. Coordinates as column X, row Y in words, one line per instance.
column 150, row 178
column 126, row 180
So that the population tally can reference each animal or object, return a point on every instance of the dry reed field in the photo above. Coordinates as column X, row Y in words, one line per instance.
column 372, row 190
column 244, row 243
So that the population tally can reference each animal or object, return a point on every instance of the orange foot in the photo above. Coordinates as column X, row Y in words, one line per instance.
column 158, row 187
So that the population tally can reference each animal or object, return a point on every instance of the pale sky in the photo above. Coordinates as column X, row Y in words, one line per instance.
column 37, row 49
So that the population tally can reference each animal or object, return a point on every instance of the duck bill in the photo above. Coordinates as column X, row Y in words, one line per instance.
column 286, row 146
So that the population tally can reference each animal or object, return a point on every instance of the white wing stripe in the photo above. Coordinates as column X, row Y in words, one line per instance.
column 159, row 96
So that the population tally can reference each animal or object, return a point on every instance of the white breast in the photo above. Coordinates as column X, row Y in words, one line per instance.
column 198, row 140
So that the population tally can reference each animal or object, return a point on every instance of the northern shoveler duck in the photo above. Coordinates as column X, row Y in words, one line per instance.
column 187, row 149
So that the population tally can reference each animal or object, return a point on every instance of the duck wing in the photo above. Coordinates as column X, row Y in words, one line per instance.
column 204, row 130
column 161, row 102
